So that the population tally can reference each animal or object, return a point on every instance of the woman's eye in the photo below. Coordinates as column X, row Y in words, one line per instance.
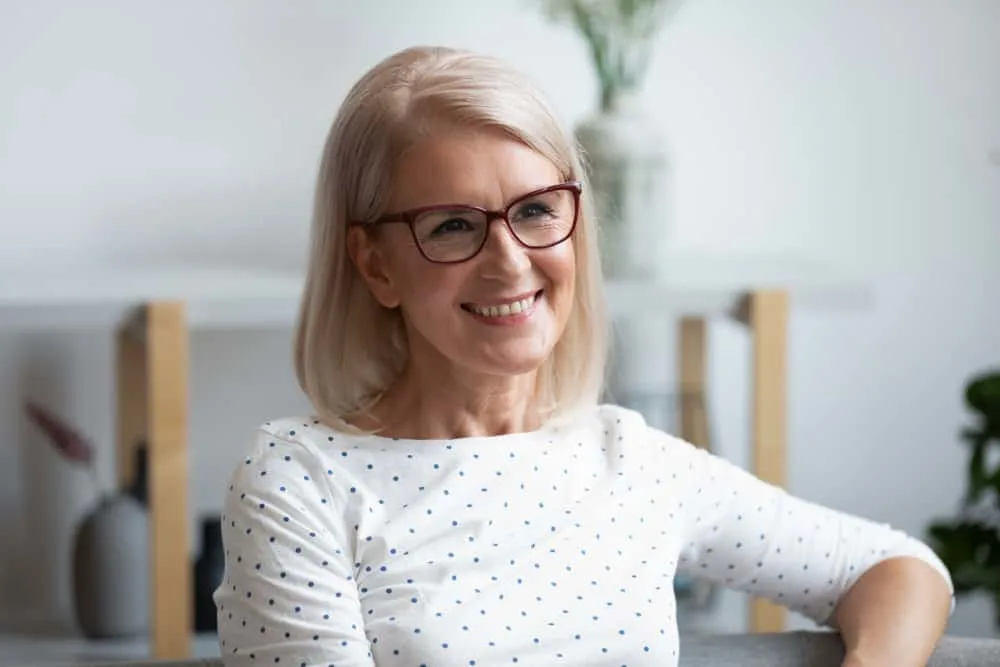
column 452, row 225
column 534, row 210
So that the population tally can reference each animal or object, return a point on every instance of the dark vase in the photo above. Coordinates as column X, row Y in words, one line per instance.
column 139, row 488
column 209, row 570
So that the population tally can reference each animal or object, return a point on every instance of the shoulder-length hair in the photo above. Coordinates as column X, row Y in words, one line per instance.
column 349, row 348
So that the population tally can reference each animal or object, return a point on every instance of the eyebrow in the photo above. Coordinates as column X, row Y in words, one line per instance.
column 472, row 201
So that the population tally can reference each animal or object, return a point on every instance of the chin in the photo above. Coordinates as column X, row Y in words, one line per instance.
column 508, row 363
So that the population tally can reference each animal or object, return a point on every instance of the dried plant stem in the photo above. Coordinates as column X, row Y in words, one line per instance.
column 619, row 35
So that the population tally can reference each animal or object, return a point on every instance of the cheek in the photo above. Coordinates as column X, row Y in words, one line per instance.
column 559, row 266
column 424, row 287
column 563, row 277
column 406, row 269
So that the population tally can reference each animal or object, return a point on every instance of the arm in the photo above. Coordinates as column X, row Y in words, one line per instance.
column 894, row 614
column 832, row 567
column 288, row 596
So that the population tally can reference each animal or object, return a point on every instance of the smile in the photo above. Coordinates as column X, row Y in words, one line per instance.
column 513, row 307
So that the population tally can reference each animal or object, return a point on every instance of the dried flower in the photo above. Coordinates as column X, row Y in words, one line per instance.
column 619, row 35
column 67, row 440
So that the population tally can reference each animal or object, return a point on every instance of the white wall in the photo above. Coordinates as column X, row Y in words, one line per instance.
column 857, row 131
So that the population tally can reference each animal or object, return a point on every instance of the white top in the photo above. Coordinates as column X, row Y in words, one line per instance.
column 555, row 547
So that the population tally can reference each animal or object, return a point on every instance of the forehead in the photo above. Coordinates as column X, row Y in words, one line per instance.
column 462, row 166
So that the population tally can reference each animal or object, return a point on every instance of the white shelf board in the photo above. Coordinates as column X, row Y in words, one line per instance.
column 694, row 284
column 104, row 297
column 715, row 284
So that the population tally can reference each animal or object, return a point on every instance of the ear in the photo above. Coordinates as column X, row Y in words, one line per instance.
column 370, row 259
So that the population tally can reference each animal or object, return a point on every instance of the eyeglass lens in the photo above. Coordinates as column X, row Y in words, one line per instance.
column 454, row 234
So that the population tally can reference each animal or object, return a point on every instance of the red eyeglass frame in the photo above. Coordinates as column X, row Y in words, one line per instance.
column 410, row 215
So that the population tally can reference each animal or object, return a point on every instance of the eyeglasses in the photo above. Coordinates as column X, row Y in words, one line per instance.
column 452, row 233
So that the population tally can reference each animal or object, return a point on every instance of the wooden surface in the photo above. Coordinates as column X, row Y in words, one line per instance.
column 768, row 319
column 152, row 405
column 692, row 362
column 152, row 400
column 167, row 362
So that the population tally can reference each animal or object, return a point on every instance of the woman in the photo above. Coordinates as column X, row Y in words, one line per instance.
column 461, row 498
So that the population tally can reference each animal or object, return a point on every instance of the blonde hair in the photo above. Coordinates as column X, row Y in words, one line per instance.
column 349, row 348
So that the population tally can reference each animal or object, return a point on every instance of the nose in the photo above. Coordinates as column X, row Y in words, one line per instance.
column 503, row 255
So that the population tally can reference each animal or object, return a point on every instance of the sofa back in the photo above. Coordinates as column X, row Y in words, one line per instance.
column 785, row 649
column 817, row 649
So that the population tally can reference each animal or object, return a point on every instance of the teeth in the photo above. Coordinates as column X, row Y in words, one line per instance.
column 504, row 309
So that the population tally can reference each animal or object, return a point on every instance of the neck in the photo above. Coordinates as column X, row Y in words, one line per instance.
column 434, row 404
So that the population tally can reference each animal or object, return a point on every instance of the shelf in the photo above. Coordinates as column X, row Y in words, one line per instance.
column 105, row 297
column 17, row 650
column 703, row 284
column 694, row 284
column 156, row 369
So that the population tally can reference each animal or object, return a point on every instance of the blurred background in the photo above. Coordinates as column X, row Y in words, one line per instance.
column 866, row 134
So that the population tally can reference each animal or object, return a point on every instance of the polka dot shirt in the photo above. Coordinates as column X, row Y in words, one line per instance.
column 555, row 547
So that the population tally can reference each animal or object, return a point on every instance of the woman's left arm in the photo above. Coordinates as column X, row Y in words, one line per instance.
column 894, row 614
column 886, row 592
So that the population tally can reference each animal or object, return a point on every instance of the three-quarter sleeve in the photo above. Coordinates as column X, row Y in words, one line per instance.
column 752, row 536
column 288, row 596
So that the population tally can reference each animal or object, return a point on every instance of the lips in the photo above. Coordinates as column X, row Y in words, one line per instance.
column 505, row 308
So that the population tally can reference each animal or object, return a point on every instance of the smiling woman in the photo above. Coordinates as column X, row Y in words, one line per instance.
column 447, row 144
column 456, row 295
column 459, row 496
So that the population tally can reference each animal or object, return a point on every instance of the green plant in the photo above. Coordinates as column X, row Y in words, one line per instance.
column 619, row 36
column 969, row 544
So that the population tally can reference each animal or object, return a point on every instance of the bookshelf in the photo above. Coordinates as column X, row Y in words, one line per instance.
column 151, row 311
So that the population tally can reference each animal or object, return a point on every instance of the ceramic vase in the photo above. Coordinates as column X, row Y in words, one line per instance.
column 111, row 569
column 627, row 163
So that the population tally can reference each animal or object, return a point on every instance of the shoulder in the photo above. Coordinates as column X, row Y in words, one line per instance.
column 286, row 455
column 284, row 492
column 307, row 432
column 618, row 418
column 628, row 429
column 605, row 418
column 630, row 426
column 305, row 435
